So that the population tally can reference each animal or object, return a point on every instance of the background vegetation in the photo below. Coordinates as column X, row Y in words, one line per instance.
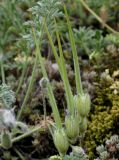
column 27, row 30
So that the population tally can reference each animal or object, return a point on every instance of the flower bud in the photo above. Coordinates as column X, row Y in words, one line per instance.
column 6, row 141
column 82, row 103
column 72, row 127
column 61, row 141
column 83, row 125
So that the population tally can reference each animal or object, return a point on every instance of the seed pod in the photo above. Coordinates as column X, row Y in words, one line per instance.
column 61, row 141
column 6, row 141
column 72, row 127
column 83, row 125
column 55, row 158
column 82, row 103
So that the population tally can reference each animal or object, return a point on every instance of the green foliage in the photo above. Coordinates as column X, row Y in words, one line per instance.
column 93, row 43
column 89, row 39
column 11, row 21
column 47, row 9
column 110, row 150
column 110, row 8
column 76, row 9
column 97, row 4
column 59, row 135
column 44, row 10
column 77, row 154
column 71, row 157
column 7, row 96
column 112, row 39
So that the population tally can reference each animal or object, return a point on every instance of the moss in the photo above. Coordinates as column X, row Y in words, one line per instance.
column 104, row 118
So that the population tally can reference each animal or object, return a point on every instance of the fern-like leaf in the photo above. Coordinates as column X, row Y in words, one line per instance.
column 7, row 96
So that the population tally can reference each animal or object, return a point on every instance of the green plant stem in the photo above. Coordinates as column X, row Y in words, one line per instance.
column 2, row 68
column 27, row 134
column 50, row 92
column 16, row 139
column 19, row 154
column 98, row 18
column 28, row 90
column 75, row 56
column 69, row 94
column 22, row 77
column 44, row 104
column 31, row 81
column 62, row 68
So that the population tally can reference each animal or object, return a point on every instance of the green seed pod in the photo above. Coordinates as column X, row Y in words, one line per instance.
column 82, row 103
column 6, row 141
column 61, row 141
column 55, row 158
column 83, row 125
column 72, row 127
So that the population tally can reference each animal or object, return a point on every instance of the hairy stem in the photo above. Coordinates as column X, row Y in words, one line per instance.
column 98, row 18
column 29, row 133
column 50, row 91
column 28, row 90
column 19, row 154
column 22, row 77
